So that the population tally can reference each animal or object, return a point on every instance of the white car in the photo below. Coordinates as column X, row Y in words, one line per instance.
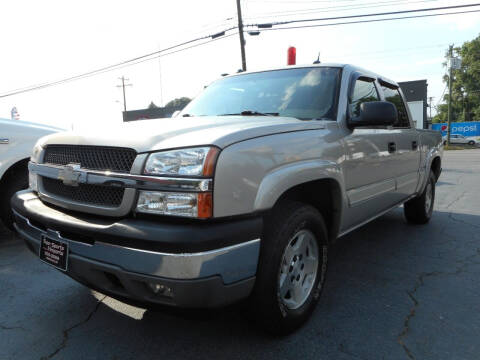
column 17, row 138
column 459, row 139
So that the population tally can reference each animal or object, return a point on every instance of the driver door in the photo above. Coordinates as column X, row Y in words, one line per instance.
column 370, row 161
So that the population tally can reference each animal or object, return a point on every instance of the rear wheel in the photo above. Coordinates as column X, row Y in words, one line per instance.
column 471, row 142
column 419, row 210
column 292, row 267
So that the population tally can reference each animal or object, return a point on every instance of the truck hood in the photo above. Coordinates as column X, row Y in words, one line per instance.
column 151, row 135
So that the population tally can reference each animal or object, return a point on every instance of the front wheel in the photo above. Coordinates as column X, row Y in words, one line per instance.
column 292, row 267
column 419, row 210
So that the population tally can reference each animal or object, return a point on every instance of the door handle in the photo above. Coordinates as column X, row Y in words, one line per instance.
column 392, row 147
column 414, row 145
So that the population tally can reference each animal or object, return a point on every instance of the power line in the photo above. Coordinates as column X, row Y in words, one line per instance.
column 126, row 65
column 337, row 8
column 112, row 67
column 367, row 21
column 221, row 35
column 441, row 97
column 269, row 25
column 298, row 1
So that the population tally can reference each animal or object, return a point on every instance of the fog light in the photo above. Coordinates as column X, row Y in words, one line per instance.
column 156, row 288
column 159, row 289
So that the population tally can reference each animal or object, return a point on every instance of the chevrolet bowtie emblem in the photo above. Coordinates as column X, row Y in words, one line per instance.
column 70, row 174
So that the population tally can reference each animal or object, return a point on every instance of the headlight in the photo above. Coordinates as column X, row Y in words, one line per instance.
column 198, row 161
column 197, row 205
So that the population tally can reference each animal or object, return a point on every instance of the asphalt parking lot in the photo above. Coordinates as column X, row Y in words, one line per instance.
column 394, row 291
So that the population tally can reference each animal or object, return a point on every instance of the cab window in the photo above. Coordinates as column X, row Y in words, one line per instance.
column 364, row 91
column 393, row 95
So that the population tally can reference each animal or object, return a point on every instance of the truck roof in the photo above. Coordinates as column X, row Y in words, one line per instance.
column 346, row 67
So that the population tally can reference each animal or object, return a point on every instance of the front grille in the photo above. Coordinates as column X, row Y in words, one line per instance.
column 84, row 193
column 91, row 157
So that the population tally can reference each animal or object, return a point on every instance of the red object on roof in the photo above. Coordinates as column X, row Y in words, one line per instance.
column 292, row 56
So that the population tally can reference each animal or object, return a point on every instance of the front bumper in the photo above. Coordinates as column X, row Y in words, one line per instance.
column 181, row 264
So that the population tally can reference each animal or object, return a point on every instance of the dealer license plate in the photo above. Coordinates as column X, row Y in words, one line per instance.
column 54, row 252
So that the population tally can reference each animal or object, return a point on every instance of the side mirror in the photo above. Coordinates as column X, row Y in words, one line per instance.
column 375, row 113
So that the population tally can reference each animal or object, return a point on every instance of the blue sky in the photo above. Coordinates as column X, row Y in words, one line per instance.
column 50, row 40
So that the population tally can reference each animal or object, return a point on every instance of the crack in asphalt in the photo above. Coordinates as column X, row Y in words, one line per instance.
column 451, row 217
column 4, row 327
column 419, row 283
column 406, row 323
column 67, row 331
column 455, row 200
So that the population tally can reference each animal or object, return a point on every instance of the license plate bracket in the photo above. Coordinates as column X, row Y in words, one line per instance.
column 54, row 252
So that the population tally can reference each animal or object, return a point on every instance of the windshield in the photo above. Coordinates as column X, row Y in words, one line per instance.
column 306, row 93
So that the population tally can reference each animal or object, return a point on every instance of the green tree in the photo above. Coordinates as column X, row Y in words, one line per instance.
column 466, row 85
column 178, row 103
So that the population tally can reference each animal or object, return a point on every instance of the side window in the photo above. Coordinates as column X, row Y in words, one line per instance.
column 394, row 97
column 364, row 91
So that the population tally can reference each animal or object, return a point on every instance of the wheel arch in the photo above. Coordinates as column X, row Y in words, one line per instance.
column 17, row 166
column 324, row 195
column 436, row 166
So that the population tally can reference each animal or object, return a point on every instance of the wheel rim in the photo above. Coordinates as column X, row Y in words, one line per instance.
column 428, row 197
column 298, row 269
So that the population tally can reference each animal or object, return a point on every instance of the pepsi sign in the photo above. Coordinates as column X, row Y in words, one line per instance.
column 469, row 129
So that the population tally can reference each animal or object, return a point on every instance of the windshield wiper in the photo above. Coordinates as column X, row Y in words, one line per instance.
column 252, row 113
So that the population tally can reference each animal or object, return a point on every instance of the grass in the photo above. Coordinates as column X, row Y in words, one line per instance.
column 453, row 147
column 459, row 147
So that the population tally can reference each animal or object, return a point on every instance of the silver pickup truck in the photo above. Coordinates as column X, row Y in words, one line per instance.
column 238, row 197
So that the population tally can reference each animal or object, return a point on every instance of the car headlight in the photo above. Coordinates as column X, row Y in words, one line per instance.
column 199, row 161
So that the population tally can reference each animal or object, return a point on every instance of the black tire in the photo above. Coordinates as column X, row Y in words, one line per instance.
column 417, row 211
column 287, row 220
column 15, row 181
column 471, row 143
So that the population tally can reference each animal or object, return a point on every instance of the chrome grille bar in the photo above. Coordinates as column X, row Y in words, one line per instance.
column 108, row 178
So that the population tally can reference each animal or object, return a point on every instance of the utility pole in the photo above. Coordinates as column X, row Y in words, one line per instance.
column 240, row 33
column 123, row 88
column 450, row 81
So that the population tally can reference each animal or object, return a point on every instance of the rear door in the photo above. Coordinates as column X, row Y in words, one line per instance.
column 407, row 161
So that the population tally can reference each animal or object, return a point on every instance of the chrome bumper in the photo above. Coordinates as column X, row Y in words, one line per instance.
column 233, row 263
